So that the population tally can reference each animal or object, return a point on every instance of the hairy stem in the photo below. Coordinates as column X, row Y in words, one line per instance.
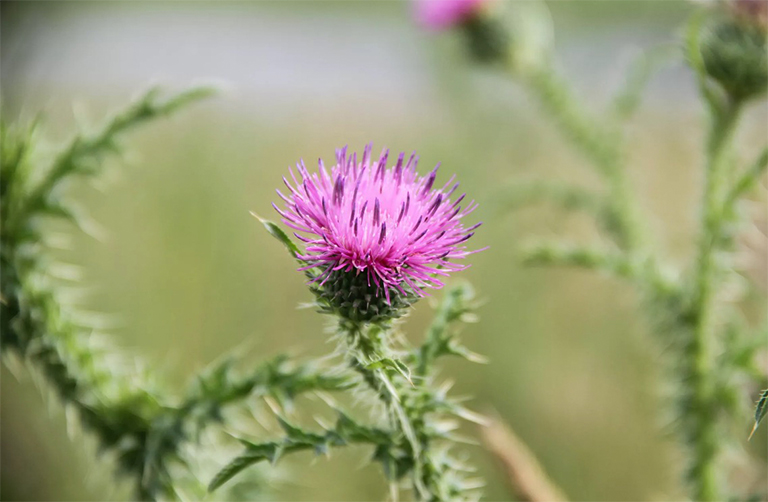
column 36, row 329
column 601, row 145
column 700, row 353
column 410, row 405
column 144, row 429
column 369, row 346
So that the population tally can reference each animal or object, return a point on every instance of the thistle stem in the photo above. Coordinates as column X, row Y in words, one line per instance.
column 368, row 345
column 700, row 353
column 408, row 405
column 602, row 145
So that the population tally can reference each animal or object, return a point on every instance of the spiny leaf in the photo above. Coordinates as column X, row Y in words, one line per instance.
column 457, row 305
column 569, row 255
column 146, row 108
column 760, row 410
column 568, row 197
column 184, row 98
column 297, row 434
column 125, row 411
column 640, row 73
column 394, row 364
column 351, row 431
column 253, row 455
column 750, row 177
column 345, row 431
column 278, row 234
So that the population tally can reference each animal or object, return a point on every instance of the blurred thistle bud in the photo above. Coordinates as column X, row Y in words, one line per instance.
column 751, row 11
column 518, row 34
column 376, row 237
column 444, row 14
column 733, row 45
column 487, row 37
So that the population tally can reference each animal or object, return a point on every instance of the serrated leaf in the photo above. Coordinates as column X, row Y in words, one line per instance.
column 253, row 455
column 278, row 234
column 232, row 469
column 183, row 98
column 348, row 429
column 298, row 434
column 394, row 364
column 760, row 410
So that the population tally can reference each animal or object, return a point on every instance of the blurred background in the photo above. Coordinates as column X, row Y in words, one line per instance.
column 191, row 275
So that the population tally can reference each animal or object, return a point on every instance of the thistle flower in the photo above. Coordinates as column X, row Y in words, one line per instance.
column 486, row 32
column 441, row 14
column 376, row 237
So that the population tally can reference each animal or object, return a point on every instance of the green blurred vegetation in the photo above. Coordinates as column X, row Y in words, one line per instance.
column 191, row 275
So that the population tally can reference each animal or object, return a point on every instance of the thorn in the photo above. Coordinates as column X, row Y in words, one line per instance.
column 754, row 428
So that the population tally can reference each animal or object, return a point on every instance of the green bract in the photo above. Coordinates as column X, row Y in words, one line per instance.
column 351, row 296
column 734, row 54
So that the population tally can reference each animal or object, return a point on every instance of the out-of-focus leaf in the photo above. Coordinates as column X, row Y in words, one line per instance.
column 254, row 454
column 760, row 410
column 278, row 234
column 393, row 364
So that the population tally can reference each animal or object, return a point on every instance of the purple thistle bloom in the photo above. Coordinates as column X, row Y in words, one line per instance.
column 387, row 226
column 441, row 14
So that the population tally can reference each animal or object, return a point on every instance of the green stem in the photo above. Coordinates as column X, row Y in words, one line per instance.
column 747, row 180
column 409, row 405
column 702, row 419
column 601, row 145
column 35, row 328
column 368, row 344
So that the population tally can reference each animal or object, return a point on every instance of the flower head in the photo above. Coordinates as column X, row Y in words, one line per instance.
column 441, row 14
column 375, row 235
column 734, row 49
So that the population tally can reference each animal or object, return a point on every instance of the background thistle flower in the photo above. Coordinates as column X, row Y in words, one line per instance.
column 376, row 237
column 487, row 35
column 440, row 14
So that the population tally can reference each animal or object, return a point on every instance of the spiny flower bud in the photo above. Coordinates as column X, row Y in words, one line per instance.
column 376, row 237
column 517, row 34
column 733, row 49
column 486, row 34
column 488, row 38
